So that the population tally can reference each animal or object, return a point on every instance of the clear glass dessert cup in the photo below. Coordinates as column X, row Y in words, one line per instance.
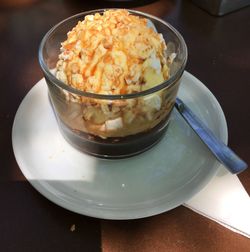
column 112, row 126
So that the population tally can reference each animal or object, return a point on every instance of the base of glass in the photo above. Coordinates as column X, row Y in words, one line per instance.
column 114, row 147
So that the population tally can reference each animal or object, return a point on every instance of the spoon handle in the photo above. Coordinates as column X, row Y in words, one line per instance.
column 223, row 153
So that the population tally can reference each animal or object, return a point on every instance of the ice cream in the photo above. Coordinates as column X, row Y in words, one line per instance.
column 114, row 53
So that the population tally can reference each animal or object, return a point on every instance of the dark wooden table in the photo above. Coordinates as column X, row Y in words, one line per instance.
column 219, row 56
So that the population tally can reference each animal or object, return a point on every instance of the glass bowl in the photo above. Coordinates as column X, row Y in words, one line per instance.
column 112, row 126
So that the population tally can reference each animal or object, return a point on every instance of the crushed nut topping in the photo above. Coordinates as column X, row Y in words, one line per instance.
column 113, row 53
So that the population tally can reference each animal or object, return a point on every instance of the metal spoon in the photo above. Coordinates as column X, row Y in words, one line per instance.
column 223, row 153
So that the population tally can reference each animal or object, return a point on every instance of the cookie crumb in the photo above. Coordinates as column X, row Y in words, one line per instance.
column 73, row 228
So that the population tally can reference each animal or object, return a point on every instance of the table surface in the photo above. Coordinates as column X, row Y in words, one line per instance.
column 219, row 56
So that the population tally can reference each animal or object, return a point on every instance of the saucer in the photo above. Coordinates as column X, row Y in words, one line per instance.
column 150, row 183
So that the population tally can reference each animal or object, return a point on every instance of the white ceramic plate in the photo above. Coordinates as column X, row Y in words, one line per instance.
column 153, row 182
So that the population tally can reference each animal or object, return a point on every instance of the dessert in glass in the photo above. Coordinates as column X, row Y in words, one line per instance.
column 113, row 76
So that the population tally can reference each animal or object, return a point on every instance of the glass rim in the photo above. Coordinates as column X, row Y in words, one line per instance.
column 164, row 84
